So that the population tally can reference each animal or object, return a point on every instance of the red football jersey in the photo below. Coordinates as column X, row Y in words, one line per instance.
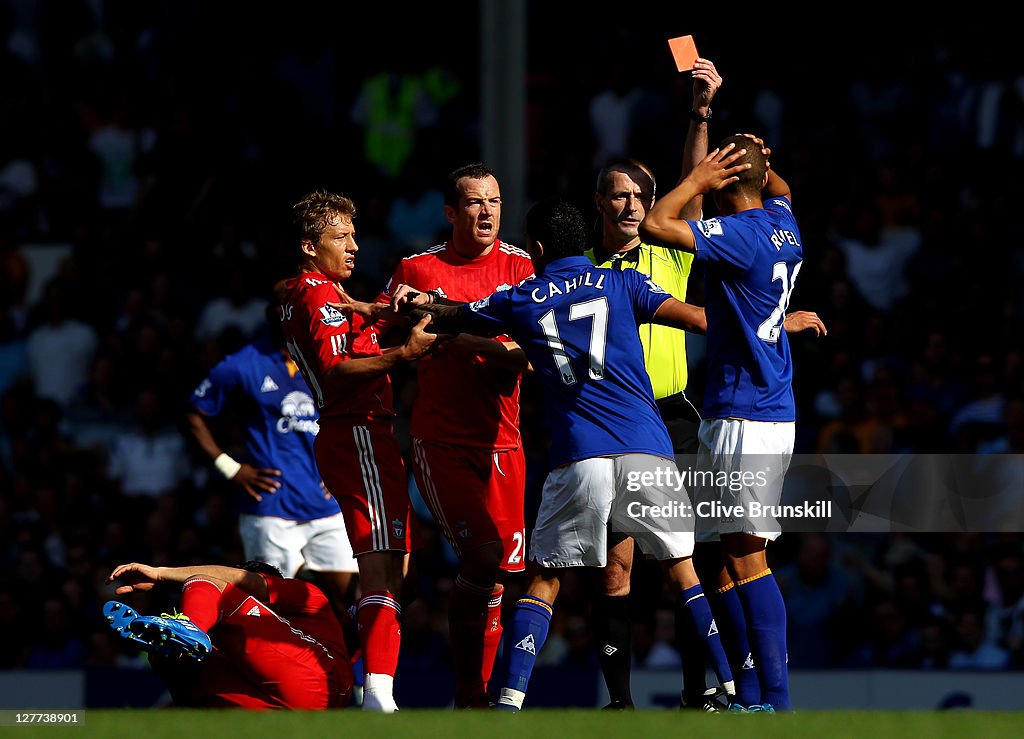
column 291, row 645
column 320, row 336
column 460, row 402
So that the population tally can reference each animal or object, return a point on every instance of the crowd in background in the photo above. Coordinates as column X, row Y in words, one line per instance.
column 149, row 157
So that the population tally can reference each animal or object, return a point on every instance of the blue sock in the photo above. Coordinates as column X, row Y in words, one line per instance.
column 524, row 637
column 732, row 627
column 766, row 625
column 699, row 621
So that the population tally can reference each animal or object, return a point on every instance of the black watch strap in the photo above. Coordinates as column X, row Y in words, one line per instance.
column 695, row 116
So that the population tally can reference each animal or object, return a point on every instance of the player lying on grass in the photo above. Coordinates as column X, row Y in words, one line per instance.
column 246, row 637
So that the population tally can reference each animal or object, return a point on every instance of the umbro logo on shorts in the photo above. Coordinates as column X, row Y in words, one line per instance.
column 609, row 650
column 527, row 644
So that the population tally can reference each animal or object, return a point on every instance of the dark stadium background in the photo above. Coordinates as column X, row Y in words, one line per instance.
column 890, row 132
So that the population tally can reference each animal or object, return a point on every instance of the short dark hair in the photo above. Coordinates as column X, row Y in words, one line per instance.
column 261, row 568
column 559, row 226
column 475, row 171
column 632, row 168
column 750, row 180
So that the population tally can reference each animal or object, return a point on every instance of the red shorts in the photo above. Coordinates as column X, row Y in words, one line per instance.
column 475, row 495
column 362, row 466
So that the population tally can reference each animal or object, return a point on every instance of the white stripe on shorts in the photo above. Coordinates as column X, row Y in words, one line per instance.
column 371, row 481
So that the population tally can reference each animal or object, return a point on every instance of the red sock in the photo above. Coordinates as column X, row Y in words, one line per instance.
column 467, row 622
column 200, row 601
column 379, row 632
column 492, row 633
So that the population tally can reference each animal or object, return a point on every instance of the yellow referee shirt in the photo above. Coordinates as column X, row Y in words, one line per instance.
column 664, row 347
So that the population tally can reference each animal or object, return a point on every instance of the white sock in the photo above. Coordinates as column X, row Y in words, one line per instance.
column 378, row 693
column 510, row 697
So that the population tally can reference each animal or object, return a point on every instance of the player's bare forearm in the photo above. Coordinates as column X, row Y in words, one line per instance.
column 200, row 432
column 677, row 314
column 776, row 187
column 706, row 82
column 137, row 576
column 662, row 224
column 449, row 318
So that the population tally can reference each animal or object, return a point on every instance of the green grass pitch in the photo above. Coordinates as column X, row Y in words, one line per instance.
column 531, row 724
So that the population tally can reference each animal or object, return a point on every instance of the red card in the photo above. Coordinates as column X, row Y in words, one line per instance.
column 684, row 52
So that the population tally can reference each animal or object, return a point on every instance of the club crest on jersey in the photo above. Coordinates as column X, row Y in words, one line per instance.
column 480, row 304
column 463, row 529
column 398, row 527
column 298, row 413
column 710, row 227
column 332, row 316
column 502, row 287
column 655, row 287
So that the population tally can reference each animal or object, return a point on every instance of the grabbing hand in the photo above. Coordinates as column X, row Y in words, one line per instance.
column 404, row 297
column 370, row 312
column 419, row 341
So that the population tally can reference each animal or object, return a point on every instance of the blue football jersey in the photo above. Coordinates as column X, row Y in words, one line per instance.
column 577, row 324
column 281, row 422
column 752, row 260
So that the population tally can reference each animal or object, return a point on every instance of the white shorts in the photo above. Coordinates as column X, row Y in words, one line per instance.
column 582, row 500
column 749, row 460
column 319, row 545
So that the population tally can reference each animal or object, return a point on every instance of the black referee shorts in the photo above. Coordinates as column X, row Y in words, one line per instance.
column 682, row 421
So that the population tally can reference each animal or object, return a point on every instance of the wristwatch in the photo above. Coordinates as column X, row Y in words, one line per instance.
column 695, row 116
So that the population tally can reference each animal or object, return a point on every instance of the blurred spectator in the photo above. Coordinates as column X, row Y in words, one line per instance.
column 820, row 603
column 150, row 459
column 60, row 348
column 973, row 650
column 238, row 307
column 877, row 257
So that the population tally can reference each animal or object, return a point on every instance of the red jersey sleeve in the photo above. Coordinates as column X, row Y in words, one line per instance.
column 319, row 337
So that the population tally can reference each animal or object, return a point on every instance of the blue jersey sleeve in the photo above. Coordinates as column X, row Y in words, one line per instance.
column 724, row 241
column 647, row 295
column 493, row 313
column 211, row 394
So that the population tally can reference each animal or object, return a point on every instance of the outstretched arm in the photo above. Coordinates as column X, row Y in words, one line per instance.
column 706, row 82
column 677, row 314
column 141, row 577
column 662, row 224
